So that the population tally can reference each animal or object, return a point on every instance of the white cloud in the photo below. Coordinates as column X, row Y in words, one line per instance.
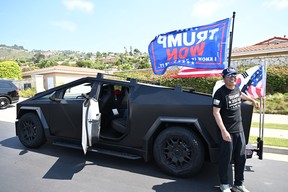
column 206, row 8
column 278, row 4
column 78, row 4
column 67, row 25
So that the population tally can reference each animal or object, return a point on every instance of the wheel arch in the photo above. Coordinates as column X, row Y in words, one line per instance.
column 8, row 97
column 37, row 110
column 163, row 122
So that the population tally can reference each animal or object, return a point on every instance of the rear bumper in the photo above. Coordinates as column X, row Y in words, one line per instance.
column 259, row 149
column 14, row 100
column 249, row 150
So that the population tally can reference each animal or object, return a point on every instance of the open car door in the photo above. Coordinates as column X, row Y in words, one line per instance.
column 91, row 120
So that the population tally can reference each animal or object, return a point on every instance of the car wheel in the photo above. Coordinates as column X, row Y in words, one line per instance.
column 30, row 131
column 4, row 102
column 179, row 151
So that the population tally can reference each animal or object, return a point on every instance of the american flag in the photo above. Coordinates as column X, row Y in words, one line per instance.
column 189, row 72
column 252, row 82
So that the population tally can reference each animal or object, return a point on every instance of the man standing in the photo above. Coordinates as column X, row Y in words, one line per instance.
column 227, row 113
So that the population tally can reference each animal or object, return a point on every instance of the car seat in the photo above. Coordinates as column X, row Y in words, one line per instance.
column 106, row 104
column 120, row 124
column 106, row 100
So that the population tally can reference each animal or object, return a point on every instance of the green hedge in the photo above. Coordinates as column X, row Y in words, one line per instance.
column 277, row 79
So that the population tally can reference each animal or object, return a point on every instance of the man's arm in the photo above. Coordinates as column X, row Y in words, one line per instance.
column 225, row 134
column 247, row 98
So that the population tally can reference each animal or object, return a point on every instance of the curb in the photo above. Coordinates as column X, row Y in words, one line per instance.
column 272, row 149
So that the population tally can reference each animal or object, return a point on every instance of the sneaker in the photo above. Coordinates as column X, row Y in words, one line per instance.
column 240, row 188
column 225, row 188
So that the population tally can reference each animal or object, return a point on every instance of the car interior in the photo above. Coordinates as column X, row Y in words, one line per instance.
column 113, row 105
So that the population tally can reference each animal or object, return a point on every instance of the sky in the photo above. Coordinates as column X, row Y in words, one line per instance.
column 112, row 25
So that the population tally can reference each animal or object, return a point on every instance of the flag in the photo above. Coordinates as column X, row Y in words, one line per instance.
column 253, row 82
column 198, row 47
column 188, row 72
column 217, row 85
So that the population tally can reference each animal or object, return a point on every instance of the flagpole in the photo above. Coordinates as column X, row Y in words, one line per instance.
column 231, row 39
column 260, row 139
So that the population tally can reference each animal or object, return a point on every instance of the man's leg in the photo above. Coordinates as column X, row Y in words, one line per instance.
column 224, row 160
column 239, row 158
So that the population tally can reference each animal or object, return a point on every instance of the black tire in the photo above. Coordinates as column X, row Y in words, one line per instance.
column 178, row 151
column 4, row 102
column 30, row 131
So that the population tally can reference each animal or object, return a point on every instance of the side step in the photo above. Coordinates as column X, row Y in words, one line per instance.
column 98, row 150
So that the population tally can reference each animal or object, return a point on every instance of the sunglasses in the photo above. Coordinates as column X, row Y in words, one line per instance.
column 230, row 75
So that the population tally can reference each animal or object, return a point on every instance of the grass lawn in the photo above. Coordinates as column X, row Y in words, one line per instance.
column 271, row 141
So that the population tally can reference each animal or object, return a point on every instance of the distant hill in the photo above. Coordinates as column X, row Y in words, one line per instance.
column 14, row 52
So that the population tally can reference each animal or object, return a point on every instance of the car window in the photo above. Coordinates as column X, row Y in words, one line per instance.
column 77, row 91
column 5, row 85
column 46, row 97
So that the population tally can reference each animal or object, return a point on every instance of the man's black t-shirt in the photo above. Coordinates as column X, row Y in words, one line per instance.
column 230, row 103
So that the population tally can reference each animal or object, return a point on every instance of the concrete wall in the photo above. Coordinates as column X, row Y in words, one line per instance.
column 260, row 59
column 40, row 82
column 62, row 78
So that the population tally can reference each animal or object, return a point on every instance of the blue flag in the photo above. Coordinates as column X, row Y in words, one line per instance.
column 198, row 47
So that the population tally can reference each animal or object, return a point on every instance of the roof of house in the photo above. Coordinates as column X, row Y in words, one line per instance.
column 63, row 69
column 272, row 45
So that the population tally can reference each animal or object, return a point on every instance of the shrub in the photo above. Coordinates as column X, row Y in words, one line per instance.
column 27, row 93
column 277, row 79
column 10, row 70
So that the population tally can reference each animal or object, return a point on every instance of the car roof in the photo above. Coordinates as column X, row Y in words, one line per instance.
column 5, row 80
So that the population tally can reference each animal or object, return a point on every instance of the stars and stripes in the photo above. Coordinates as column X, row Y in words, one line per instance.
column 255, row 86
column 188, row 72
column 252, row 82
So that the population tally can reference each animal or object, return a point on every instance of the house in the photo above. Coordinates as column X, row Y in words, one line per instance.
column 46, row 78
column 273, row 51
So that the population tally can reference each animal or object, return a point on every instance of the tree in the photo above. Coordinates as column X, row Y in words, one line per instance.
column 83, row 63
column 137, row 52
column 144, row 63
column 10, row 70
column 98, row 55
column 37, row 57
column 47, row 63
column 98, row 65
column 125, row 66
column 89, row 55
column 104, row 54
column 131, row 52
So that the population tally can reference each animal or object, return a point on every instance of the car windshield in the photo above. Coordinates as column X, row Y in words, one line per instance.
column 73, row 92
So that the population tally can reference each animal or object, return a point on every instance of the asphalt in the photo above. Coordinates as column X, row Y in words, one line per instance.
column 276, row 133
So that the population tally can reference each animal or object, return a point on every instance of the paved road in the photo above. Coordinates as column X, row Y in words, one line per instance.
column 51, row 168
column 277, row 133
column 271, row 118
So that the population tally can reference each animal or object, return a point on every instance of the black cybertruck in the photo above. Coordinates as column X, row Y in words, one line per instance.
column 126, row 118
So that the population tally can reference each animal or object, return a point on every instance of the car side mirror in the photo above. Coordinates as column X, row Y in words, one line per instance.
column 53, row 98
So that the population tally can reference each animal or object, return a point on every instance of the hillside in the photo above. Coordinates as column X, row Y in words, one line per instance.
column 14, row 52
